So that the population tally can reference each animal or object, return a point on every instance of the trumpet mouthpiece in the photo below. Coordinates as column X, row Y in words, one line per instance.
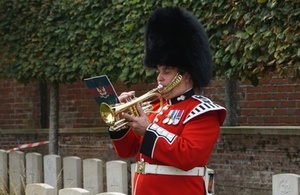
column 160, row 86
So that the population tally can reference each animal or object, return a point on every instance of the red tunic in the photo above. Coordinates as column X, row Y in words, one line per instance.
column 184, row 145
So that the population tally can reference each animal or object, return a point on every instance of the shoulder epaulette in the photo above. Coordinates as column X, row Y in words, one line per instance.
column 205, row 105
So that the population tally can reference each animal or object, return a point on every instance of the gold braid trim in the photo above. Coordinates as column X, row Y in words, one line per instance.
column 176, row 80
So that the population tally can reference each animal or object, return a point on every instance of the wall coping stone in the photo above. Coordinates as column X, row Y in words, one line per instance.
column 261, row 130
column 246, row 130
column 61, row 131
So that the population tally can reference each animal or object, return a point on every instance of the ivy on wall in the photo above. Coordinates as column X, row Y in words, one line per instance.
column 67, row 40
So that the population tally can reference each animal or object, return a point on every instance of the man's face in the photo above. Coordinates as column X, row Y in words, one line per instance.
column 165, row 74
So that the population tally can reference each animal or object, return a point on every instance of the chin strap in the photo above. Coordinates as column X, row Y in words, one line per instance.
column 176, row 80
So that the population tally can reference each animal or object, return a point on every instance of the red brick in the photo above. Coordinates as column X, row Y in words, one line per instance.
column 76, row 102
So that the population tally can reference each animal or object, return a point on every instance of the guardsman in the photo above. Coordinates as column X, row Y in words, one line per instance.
column 172, row 147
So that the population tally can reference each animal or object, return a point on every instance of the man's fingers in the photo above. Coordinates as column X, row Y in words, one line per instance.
column 126, row 95
column 128, row 117
column 141, row 111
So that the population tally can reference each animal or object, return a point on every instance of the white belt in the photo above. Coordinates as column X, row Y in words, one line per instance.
column 145, row 168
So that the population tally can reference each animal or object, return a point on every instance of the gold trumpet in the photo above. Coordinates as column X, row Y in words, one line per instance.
column 111, row 114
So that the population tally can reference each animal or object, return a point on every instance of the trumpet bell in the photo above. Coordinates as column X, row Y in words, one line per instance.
column 107, row 114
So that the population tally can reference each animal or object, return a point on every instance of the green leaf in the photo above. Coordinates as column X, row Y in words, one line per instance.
column 66, row 40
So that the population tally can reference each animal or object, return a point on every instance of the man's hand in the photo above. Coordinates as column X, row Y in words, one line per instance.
column 138, row 124
column 125, row 96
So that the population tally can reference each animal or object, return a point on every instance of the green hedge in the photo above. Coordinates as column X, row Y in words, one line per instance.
column 68, row 40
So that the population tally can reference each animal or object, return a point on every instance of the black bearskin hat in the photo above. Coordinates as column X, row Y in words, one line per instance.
column 174, row 37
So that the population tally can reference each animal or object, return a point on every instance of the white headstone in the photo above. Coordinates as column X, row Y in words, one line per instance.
column 93, row 175
column 16, row 173
column 116, row 176
column 34, row 168
column 287, row 184
column 132, row 171
column 111, row 193
column 73, row 191
column 53, row 171
column 72, row 172
column 39, row 189
column 3, row 172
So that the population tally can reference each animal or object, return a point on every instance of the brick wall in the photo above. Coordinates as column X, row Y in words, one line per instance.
column 274, row 102
column 244, row 158
column 19, row 105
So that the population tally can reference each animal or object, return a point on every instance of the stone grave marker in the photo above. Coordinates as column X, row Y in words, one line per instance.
column 3, row 172
column 286, row 183
column 34, row 168
column 73, row 191
column 72, row 172
column 132, row 172
column 16, row 173
column 53, row 171
column 93, row 175
column 39, row 189
column 116, row 176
